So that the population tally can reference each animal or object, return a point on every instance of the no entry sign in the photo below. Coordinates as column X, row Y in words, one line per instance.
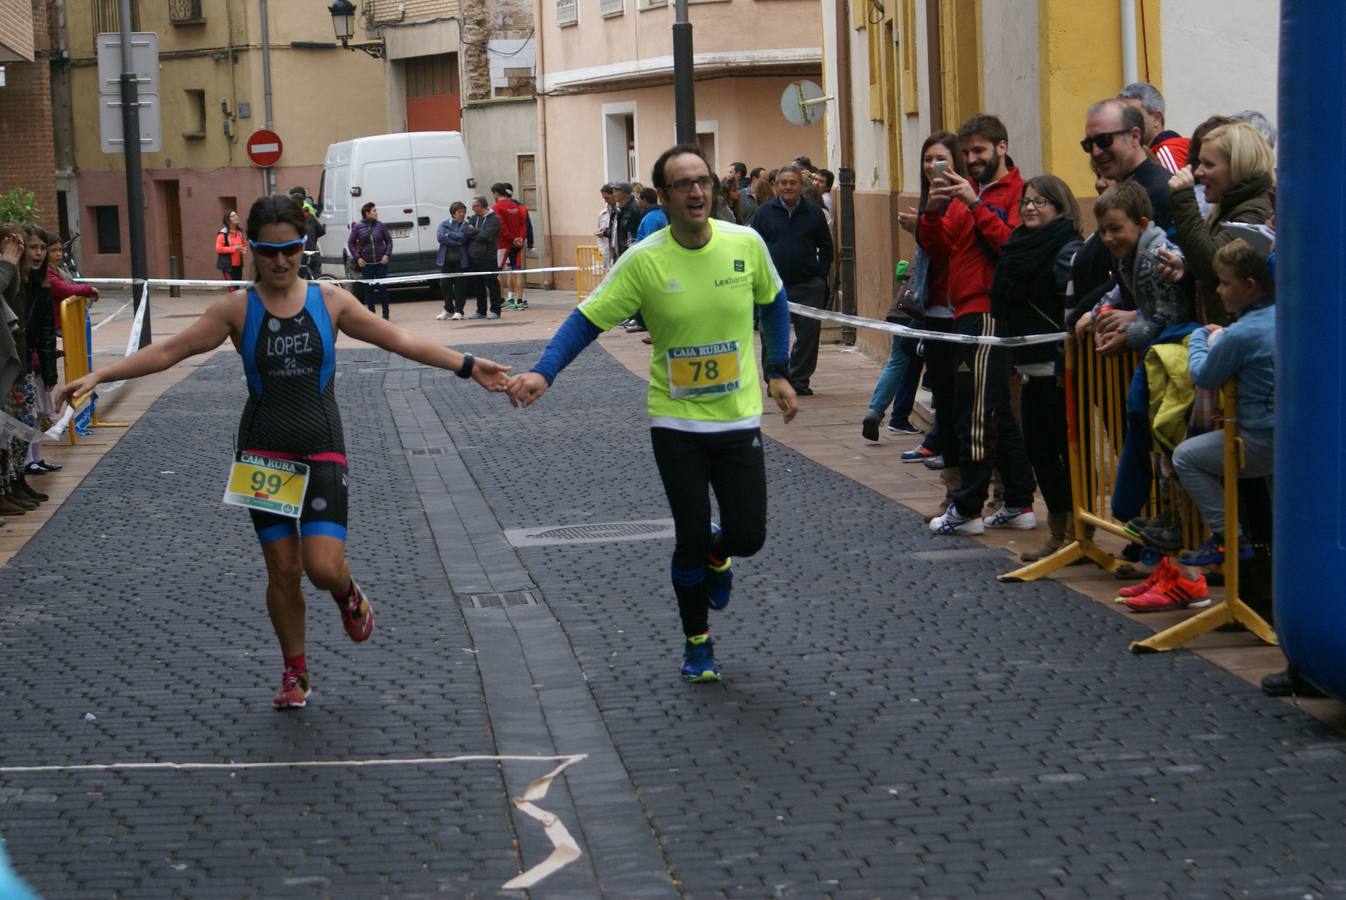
column 264, row 148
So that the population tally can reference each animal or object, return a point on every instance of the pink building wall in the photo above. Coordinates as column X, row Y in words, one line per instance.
column 201, row 197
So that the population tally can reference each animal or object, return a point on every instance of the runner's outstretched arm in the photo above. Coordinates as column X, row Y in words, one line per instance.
column 575, row 333
column 202, row 336
column 358, row 322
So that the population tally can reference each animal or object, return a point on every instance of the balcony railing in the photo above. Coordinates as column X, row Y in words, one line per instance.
column 610, row 7
column 567, row 12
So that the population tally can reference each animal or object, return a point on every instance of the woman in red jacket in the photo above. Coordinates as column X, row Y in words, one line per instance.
column 230, row 245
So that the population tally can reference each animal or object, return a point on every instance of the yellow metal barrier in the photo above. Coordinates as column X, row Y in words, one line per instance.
column 78, row 358
column 589, row 261
column 1232, row 609
column 1096, row 424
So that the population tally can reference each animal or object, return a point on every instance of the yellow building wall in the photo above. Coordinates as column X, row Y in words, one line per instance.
column 318, row 96
column 1080, row 49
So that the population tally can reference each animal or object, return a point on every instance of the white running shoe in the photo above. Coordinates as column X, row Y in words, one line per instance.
column 1012, row 517
column 441, row 317
column 954, row 522
column 456, row 316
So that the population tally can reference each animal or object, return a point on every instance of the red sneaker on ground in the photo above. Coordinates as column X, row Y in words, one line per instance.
column 1160, row 576
column 356, row 614
column 294, row 690
column 1176, row 593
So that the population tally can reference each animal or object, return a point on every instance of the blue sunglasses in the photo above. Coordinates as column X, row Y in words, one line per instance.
column 268, row 250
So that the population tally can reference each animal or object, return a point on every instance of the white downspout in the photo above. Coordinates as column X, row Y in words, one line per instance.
column 1130, row 70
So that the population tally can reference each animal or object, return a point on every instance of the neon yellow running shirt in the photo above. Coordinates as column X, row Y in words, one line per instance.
column 698, row 307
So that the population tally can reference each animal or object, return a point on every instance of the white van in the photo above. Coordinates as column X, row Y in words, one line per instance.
column 413, row 178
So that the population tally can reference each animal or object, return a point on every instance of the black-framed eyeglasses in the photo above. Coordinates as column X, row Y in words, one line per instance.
column 269, row 250
column 1103, row 140
column 1035, row 202
column 683, row 185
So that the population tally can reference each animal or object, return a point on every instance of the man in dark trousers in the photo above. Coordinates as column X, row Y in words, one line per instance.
column 965, row 223
column 796, row 234
column 481, row 253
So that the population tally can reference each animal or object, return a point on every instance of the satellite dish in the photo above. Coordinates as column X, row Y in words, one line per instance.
column 802, row 103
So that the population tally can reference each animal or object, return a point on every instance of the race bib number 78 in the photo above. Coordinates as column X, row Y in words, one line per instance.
column 704, row 370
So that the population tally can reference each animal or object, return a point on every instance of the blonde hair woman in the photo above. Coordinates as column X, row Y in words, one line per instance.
column 1237, row 168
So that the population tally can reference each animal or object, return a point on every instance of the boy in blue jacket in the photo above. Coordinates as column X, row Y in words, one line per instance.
column 1244, row 350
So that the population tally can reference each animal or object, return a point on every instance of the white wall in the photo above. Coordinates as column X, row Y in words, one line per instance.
column 1010, row 89
column 915, row 129
column 1220, row 56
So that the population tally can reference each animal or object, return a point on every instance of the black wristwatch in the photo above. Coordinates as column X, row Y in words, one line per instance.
column 465, row 370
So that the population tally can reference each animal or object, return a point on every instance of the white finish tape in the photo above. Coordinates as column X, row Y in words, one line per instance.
column 905, row 331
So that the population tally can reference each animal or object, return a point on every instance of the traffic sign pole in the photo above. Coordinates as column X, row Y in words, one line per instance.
column 135, row 190
column 264, row 148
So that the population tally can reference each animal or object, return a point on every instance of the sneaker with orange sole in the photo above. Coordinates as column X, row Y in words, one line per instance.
column 356, row 614
column 1160, row 576
column 294, row 690
column 1175, row 593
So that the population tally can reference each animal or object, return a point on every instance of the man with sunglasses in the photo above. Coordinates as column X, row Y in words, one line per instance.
column 697, row 284
column 1114, row 137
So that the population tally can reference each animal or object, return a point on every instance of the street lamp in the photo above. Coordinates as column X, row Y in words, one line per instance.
column 343, row 23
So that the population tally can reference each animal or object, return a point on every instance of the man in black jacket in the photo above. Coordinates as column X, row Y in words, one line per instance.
column 625, row 219
column 484, row 229
column 796, row 234
column 1113, row 137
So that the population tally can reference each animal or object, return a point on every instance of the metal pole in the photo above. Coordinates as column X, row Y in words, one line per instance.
column 269, row 173
column 135, row 189
column 845, row 172
column 684, row 95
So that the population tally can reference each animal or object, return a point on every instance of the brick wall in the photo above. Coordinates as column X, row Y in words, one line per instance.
column 385, row 11
column 486, row 20
column 27, row 154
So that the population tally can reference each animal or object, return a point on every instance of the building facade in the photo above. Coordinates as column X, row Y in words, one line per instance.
column 466, row 65
column 916, row 66
column 605, row 86
column 212, row 96
column 25, row 105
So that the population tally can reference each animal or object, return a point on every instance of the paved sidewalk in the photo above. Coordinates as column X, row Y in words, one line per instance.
column 894, row 722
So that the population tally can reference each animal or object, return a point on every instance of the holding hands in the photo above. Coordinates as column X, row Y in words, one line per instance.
column 490, row 375
column 525, row 388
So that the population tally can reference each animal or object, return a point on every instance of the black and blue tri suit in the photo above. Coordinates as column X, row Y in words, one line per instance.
column 292, row 411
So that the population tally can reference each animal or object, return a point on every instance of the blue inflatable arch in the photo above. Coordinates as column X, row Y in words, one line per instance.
column 1310, row 481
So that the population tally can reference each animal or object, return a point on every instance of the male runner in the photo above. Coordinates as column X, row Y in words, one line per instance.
column 285, row 328
column 696, row 284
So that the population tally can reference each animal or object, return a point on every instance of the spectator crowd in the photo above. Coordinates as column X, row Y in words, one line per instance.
column 1174, row 270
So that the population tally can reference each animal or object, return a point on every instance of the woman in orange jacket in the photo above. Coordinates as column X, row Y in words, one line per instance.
column 230, row 245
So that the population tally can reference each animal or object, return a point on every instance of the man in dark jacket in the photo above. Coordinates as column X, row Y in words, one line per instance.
column 481, row 253
column 625, row 219
column 1114, row 137
column 796, row 234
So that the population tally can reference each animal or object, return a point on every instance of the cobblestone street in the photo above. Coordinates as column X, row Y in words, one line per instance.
column 893, row 721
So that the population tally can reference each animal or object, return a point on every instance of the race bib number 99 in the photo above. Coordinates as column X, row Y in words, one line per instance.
column 267, row 485
column 703, row 371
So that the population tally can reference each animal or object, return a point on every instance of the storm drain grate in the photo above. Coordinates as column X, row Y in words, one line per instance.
column 590, row 533
column 428, row 451
column 497, row 601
